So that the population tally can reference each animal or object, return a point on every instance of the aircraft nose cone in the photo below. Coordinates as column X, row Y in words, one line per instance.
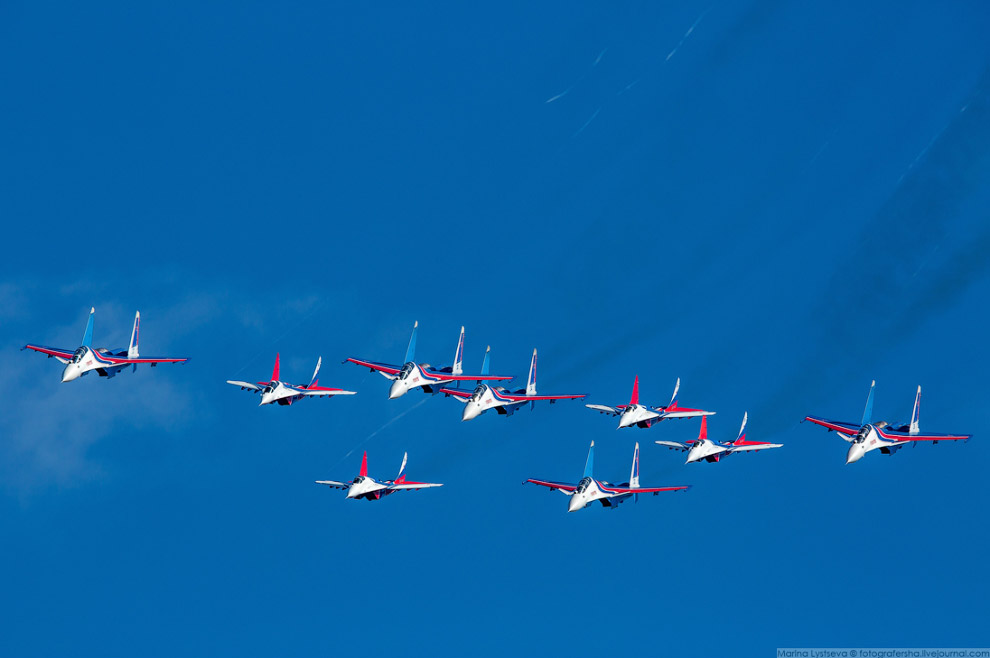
column 351, row 493
column 69, row 374
column 575, row 504
column 854, row 454
column 396, row 390
column 470, row 411
column 266, row 398
column 624, row 422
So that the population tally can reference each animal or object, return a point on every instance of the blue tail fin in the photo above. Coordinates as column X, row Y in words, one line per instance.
column 589, row 466
column 87, row 340
column 868, row 411
column 486, row 366
column 411, row 348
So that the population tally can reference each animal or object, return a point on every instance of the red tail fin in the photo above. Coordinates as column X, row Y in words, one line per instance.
column 703, row 434
column 275, row 371
column 635, row 394
column 364, row 465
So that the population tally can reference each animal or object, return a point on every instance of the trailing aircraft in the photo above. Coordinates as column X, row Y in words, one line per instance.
column 705, row 449
column 504, row 401
column 412, row 375
column 366, row 487
column 284, row 393
column 635, row 414
column 106, row 363
column 588, row 489
column 884, row 436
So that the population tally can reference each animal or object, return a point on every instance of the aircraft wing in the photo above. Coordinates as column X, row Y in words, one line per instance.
column 906, row 436
column 845, row 429
column 652, row 490
column 384, row 368
column 322, row 391
column 674, row 445
column 680, row 412
column 612, row 411
column 562, row 487
column 533, row 398
column 412, row 485
column 334, row 484
column 245, row 385
column 124, row 361
column 447, row 376
column 61, row 355
column 750, row 447
column 457, row 394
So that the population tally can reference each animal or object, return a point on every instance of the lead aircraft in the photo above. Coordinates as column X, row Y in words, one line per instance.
column 367, row 487
column 107, row 363
column 284, row 393
column 705, row 449
column 504, row 401
column 412, row 375
column 884, row 436
column 635, row 414
column 588, row 489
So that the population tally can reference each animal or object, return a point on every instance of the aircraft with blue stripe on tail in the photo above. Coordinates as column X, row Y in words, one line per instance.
column 502, row 400
column 412, row 375
column 887, row 437
column 589, row 490
column 709, row 450
column 366, row 487
column 105, row 362
column 283, row 393
column 635, row 414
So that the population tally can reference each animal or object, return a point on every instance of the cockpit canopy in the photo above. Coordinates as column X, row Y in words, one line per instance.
column 406, row 369
column 583, row 485
column 477, row 393
column 78, row 355
column 359, row 479
column 864, row 431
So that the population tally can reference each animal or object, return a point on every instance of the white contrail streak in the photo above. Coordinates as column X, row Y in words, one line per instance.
column 687, row 34
column 586, row 123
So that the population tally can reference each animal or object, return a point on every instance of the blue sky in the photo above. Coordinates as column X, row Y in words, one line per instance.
column 775, row 203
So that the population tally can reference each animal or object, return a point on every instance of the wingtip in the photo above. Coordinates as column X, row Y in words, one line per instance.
column 92, row 310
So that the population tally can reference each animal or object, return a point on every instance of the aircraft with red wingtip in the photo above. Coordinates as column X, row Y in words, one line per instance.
column 705, row 449
column 635, row 414
column 367, row 487
column 502, row 400
column 589, row 490
column 284, row 393
column 412, row 375
column 106, row 363
column 884, row 436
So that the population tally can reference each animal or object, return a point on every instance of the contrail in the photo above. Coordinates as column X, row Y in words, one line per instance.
column 578, row 81
column 599, row 58
column 687, row 34
column 372, row 435
column 561, row 94
column 586, row 123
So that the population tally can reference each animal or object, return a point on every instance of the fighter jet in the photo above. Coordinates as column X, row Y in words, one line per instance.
column 884, row 436
column 284, row 393
column 588, row 489
column 635, row 414
column 502, row 400
column 367, row 487
column 412, row 375
column 705, row 449
column 107, row 363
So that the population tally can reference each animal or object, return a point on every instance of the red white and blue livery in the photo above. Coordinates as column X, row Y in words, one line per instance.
column 708, row 450
column 105, row 362
column 502, row 400
column 588, row 489
column 366, row 487
column 283, row 393
column 635, row 414
column 412, row 375
column 887, row 437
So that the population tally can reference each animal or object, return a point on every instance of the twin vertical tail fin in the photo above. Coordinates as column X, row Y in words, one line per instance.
column 401, row 477
column 634, row 474
column 487, row 364
column 634, row 398
column 531, row 380
column 87, row 340
column 364, row 464
column 916, row 414
column 742, row 429
column 703, row 433
column 589, row 466
column 275, row 370
column 316, row 373
column 673, row 398
column 868, row 410
column 132, row 348
column 458, row 368
column 411, row 348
